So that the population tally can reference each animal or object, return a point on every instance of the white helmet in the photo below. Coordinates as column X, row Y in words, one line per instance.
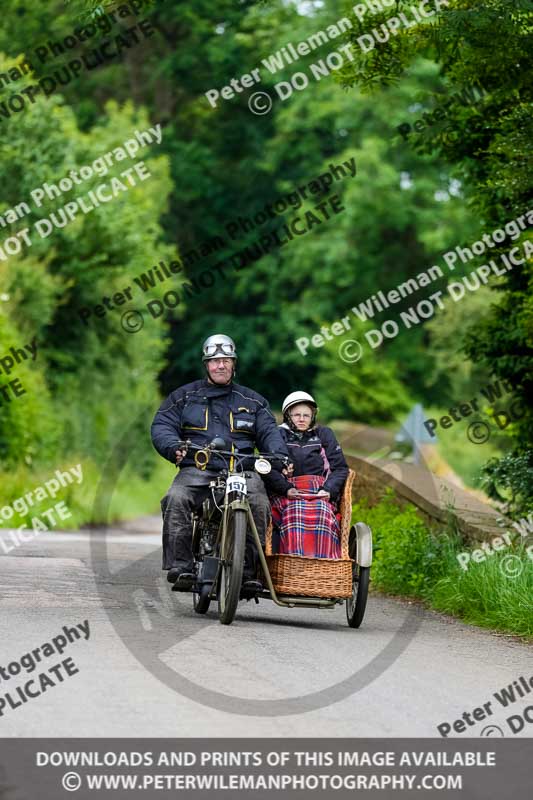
column 297, row 397
column 218, row 346
column 293, row 399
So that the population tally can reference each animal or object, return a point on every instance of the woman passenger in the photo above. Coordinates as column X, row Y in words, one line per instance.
column 304, row 498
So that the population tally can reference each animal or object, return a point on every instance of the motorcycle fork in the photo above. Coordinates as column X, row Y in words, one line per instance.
column 220, row 540
column 245, row 506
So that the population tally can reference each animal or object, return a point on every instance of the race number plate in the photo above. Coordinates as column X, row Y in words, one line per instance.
column 236, row 483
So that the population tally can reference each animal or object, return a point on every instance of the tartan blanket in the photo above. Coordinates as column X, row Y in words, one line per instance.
column 307, row 527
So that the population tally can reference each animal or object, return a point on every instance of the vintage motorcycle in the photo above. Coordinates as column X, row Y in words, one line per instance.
column 219, row 531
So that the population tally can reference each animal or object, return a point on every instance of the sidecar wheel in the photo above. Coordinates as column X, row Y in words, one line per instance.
column 356, row 604
column 201, row 600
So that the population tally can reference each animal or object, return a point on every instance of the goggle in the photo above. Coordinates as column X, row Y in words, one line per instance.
column 225, row 348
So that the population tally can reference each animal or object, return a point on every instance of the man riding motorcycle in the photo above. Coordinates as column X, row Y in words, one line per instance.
column 199, row 411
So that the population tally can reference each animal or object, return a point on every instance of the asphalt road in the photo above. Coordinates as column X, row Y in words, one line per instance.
column 151, row 667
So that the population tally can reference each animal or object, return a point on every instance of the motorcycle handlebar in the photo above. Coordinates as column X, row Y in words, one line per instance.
column 187, row 444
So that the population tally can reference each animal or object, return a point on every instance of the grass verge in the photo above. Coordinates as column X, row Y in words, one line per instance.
column 412, row 560
column 133, row 495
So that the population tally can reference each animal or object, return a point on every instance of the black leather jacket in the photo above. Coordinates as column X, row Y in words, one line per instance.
column 200, row 410
column 305, row 453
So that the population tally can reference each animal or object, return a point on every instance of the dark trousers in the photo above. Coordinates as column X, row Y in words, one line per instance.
column 187, row 492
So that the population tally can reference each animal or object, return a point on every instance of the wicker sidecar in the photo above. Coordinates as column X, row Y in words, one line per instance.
column 323, row 582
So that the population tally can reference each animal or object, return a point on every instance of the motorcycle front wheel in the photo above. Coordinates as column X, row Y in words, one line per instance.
column 232, row 565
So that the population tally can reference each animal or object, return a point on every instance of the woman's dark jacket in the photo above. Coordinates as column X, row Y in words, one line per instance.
column 305, row 453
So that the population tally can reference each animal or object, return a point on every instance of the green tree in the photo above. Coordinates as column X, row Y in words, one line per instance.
column 486, row 44
column 100, row 373
column 366, row 390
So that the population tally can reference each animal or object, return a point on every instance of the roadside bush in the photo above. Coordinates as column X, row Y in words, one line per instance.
column 508, row 480
column 410, row 560
column 407, row 557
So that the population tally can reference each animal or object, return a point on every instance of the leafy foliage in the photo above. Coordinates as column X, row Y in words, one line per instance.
column 411, row 201
column 486, row 44
column 406, row 556
column 92, row 369
column 509, row 481
column 367, row 389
